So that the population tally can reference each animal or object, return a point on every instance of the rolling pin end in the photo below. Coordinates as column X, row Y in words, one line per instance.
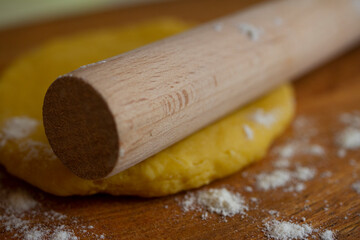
column 80, row 128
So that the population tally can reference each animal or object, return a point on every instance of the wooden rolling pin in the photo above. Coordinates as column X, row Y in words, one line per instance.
column 105, row 117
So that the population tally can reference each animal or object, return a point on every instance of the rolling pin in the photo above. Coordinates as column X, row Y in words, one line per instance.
column 108, row 116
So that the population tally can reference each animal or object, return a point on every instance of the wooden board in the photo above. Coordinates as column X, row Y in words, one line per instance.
column 327, row 202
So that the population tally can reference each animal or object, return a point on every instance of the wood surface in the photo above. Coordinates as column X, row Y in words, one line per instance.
column 136, row 104
column 321, row 95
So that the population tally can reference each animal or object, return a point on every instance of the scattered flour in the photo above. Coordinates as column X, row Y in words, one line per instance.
column 341, row 153
column 299, row 187
column 294, row 147
column 188, row 203
column 281, row 230
column 34, row 234
column 282, row 163
column 249, row 30
column 356, row 186
column 352, row 162
column 326, row 174
column 304, row 127
column 248, row 131
column 301, row 123
column 12, row 222
column 273, row 180
column 17, row 128
column 315, row 150
column 63, row 235
column 20, row 201
column 204, row 216
column 19, row 210
column 220, row 201
column 264, row 118
column 281, row 177
column 287, row 151
column 304, row 173
column 350, row 119
column 349, row 138
column 15, row 221
column 327, row 235
column 33, row 149
column 273, row 212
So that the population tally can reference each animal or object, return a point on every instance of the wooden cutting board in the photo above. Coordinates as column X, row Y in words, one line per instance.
column 327, row 202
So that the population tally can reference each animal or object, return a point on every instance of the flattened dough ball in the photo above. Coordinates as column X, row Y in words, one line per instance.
column 213, row 152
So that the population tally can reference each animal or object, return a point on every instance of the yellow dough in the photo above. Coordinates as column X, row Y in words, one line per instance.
column 214, row 152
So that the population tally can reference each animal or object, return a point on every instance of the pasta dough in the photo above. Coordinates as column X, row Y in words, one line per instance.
column 213, row 152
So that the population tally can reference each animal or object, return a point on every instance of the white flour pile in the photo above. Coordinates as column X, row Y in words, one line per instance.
column 287, row 230
column 220, row 201
column 281, row 230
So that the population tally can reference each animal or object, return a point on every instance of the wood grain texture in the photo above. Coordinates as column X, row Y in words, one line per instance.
column 161, row 93
column 321, row 95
